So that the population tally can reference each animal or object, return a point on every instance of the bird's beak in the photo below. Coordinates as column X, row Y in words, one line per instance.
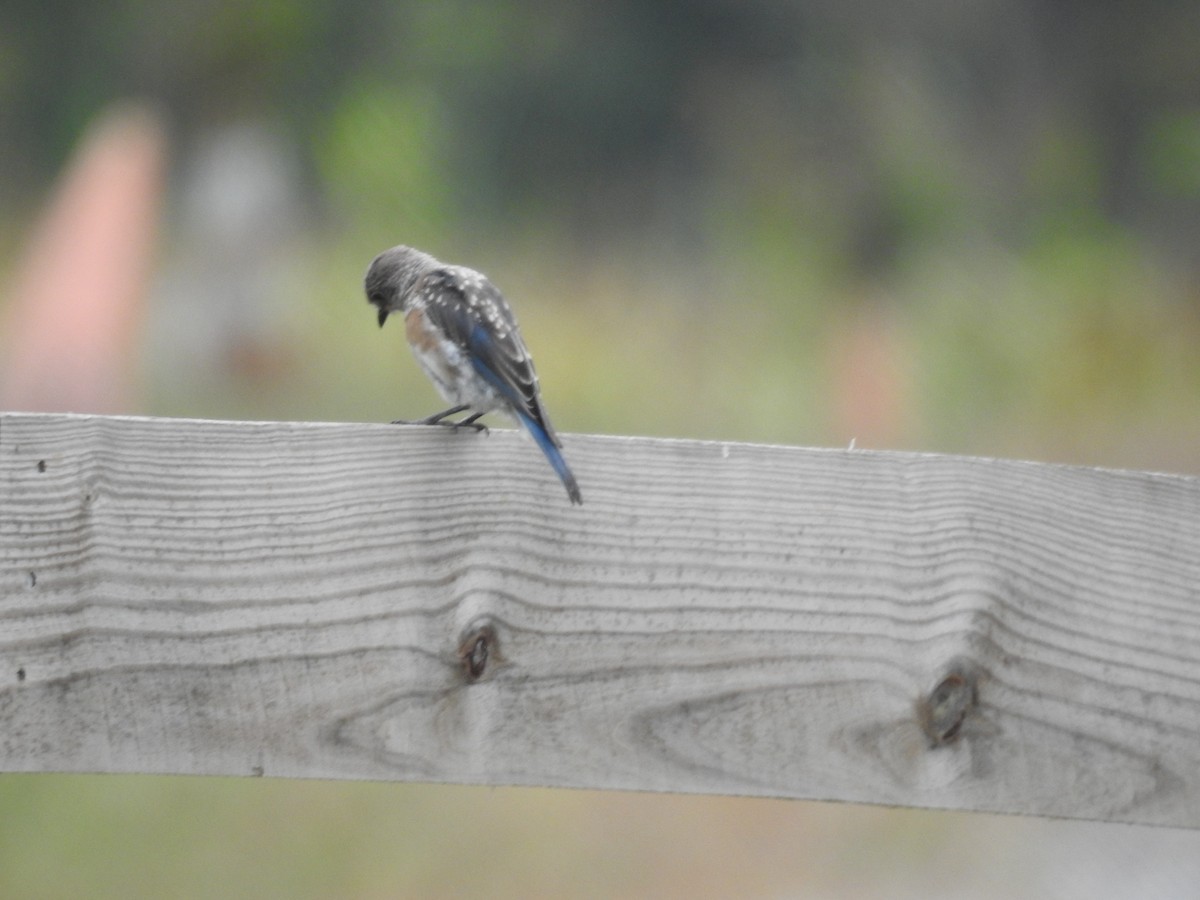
column 383, row 314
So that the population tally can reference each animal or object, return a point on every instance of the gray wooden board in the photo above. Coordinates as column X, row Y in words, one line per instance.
column 411, row 603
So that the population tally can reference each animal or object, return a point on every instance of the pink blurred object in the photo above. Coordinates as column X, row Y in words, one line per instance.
column 871, row 378
column 70, row 331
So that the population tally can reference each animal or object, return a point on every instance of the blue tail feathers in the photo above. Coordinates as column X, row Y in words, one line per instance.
column 554, row 455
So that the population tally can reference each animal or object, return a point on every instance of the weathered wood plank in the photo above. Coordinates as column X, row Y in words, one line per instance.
column 360, row 601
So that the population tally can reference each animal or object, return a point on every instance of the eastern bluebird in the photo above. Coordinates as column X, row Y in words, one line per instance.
column 465, row 337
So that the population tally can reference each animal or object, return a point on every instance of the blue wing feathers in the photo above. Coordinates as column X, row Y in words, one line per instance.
column 540, row 434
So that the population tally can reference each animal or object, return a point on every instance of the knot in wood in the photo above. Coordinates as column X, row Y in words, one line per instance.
column 944, row 709
column 476, row 649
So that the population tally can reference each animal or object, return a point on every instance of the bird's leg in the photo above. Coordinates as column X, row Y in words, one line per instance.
column 470, row 422
column 440, row 419
column 435, row 419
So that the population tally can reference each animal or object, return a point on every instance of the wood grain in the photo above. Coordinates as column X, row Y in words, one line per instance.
column 386, row 602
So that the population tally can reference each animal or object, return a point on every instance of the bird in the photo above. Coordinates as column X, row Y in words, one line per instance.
column 465, row 337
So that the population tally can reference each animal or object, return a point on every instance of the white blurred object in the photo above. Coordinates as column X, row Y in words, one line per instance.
column 224, row 297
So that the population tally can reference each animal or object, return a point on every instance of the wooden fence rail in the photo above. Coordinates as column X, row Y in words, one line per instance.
column 371, row 601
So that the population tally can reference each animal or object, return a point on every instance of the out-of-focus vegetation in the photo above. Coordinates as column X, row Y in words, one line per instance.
column 952, row 226
column 696, row 207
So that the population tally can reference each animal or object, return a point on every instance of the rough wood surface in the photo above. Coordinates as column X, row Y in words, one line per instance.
column 361, row 601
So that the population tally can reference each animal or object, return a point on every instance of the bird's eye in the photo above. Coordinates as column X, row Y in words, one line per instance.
column 376, row 297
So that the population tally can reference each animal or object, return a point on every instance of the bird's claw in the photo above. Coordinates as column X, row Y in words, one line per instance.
column 465, row 423
column 432, row 420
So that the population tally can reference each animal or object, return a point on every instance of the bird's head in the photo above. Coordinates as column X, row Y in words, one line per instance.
column 392, row 277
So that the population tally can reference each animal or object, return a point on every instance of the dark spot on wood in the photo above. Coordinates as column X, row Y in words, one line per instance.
column 41, row 467
column 33, row 579
column 476, row 649
column 943, row 711
column 21, row 674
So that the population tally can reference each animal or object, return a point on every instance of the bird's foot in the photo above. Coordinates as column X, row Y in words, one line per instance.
column 443, row 418
column 470, row 422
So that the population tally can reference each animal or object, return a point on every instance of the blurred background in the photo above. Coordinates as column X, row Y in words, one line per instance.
column 963, row 227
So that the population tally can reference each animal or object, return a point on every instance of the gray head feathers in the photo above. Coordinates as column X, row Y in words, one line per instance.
column 392, row 276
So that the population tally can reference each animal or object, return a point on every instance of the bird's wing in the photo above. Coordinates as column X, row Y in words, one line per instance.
column 473, row 313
